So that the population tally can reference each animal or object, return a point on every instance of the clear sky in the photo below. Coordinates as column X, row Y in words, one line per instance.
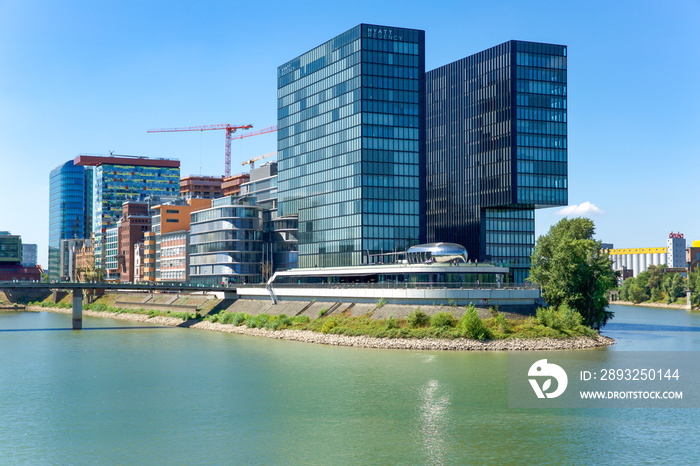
column 93, row 76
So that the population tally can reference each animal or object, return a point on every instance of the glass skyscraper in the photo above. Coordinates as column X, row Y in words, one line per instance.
column 117, row 179
column 70, row 209
column 496, row 149
column 351, row 145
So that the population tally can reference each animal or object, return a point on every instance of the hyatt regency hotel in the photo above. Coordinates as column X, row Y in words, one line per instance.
column 376, row 155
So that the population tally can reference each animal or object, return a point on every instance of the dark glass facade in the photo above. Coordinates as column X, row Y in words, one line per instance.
column 351, row 145
column 496, row 149
column 68, row 188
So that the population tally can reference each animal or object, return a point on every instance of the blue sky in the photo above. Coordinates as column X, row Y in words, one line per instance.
column 92, row 77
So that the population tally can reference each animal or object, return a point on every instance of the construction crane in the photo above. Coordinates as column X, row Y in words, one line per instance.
column 230, row 129
column 271, row 129
column 255, row 159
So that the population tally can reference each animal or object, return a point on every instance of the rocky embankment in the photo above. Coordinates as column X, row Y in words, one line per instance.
column 660, row 305
column 460, row 344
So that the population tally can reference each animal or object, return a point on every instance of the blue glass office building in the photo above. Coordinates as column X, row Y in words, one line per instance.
column 496, row 149
column 70, row 192
column 351, row 145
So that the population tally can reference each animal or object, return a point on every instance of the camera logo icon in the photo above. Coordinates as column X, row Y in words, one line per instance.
column 542, row 368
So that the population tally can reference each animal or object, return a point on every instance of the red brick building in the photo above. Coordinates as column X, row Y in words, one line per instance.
column 135, row 222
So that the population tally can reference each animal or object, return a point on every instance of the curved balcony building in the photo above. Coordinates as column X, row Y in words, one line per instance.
column 226, row 243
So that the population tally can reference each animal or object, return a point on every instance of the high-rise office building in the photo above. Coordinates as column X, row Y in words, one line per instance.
column 70, row 209
column 120, row 178
column 496, row 149
column 351, row 144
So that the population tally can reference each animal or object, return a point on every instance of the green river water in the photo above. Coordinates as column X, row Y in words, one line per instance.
column 123, row 393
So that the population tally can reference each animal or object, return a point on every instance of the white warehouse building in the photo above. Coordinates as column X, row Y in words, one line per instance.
column 640, row 259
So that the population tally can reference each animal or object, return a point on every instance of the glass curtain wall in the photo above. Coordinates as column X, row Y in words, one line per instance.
column 351, row 145
column 496, row 149
column 67, row 207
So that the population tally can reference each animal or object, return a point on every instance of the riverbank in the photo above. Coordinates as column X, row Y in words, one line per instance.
column 306, row 336
column 659, row 305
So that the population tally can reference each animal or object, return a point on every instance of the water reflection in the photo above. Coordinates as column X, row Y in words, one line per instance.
column 433, row 422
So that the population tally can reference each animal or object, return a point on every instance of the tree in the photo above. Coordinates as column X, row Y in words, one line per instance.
column 674, row 286
column 625, row 288
column 694, row 285
column 569, row 266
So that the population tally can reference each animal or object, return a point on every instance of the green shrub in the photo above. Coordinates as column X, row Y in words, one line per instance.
column 301, row 319
column 322, row 312
column 391, row 323
column 239, row 318
column 502, row 323
column 563, row 318
column 380, row 303
column 279, row 322
column 472, row 326
column 418, row 319
column 493, row 311
column 329, row 325
column 443, row 320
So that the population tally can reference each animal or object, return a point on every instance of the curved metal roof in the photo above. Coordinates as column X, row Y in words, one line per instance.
column 444, row 248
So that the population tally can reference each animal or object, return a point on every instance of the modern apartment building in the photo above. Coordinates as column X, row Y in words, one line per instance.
column 279, row 233
column 351, row 145
column 226, row 243
column 496, row 149
column 121, row 178
column 70, row 209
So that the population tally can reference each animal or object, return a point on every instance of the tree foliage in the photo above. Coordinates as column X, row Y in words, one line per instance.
column 568, row 265
column 694, row 285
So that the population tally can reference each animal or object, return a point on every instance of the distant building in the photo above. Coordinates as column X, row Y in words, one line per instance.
column 279, row 233
column 10, row 247
column 202, row 187
column 29, row 255
column 675, row 245
column 67, row 264
column 226, row 243
column 148, row 271
column 171, row 225
column 173, row 263
column 11, row 267
column 134, row 223
column 120, row 178
column 693, row 256
column 85, row 264
column 138, row 262
column 638, row 260
column 231, row 186
column 112, row 265
column 70, row 210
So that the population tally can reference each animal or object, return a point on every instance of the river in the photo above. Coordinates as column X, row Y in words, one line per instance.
column 124, row 393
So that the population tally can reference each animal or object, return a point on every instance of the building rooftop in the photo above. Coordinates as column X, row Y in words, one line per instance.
column 95, row 160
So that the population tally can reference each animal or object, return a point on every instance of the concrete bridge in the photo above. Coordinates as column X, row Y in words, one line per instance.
column 78, row 287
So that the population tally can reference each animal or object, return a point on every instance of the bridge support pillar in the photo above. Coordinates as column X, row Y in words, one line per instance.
column 77, row 309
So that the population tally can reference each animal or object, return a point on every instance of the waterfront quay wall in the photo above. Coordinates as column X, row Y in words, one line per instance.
column 397, row 295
